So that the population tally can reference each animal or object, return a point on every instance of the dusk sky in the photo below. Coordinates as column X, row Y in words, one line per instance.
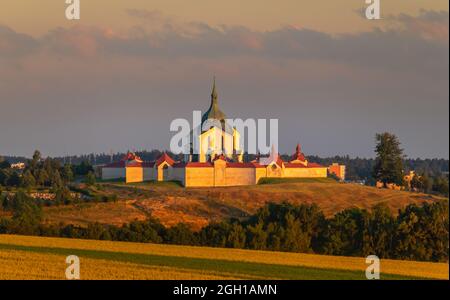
column 115, row 79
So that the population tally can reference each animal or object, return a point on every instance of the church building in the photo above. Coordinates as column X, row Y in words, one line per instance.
column 216, row 137
column 213, row 166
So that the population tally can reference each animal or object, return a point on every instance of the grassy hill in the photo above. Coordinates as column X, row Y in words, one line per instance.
column 24, row 257
column 196, row 207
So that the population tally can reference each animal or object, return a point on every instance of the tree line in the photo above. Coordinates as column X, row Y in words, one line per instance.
column 356, row 168
column 44, row 173
column 389, row 168
column 416, row 233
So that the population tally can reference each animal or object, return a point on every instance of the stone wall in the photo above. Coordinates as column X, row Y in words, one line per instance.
column 179, row 174
column 305, row 172
column 113, row 173
column 199, row 177
column 216, row 175
column 149, row 174
column 240, row 176
column 134, row 174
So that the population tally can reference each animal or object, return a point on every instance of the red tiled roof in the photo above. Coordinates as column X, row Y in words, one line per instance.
column 130, row 160
column 211, row 165
column 293, row 165
column 164, row 158
column 199, row 165
column 269, row 160
column 244, row 165
column 221, row 157
column 298, row 155
column 131, row 156
column 121, row 164
column 297, row 165
column 134, row 164
column 193, row 165
column 315, row 165
column 279, row 160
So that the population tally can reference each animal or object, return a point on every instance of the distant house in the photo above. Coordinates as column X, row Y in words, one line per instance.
column 18, row 166
column 392, row 186
column 338, row 170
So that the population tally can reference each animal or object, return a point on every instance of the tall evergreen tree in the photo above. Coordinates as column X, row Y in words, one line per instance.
column 42, row 177
column 27, row 180
column 35, row 160
column 4, row 164
column 68, row 173
column 90, row 178
column 389, row 161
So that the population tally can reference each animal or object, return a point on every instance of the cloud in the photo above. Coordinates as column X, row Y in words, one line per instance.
column 396, row 52
column 99, row 81
column 428, row 24
column 13, row 44
column 415, row 46
column 78, row 40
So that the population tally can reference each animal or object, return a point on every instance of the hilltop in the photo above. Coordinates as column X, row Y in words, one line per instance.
column 171, row 203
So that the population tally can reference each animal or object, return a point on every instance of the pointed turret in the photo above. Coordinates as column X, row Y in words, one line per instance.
column 164, row 158
column 298, row 156
column 214, row 92
column 274, row 157
column 214, row 111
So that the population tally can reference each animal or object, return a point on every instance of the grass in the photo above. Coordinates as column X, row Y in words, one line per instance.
column 151, row 184
column 196, row 207
column 114, row 180
column 117, row 260
column 16, row 264
column 268, row 180
column 106, row 213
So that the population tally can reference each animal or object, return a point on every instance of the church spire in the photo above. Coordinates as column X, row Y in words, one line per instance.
column 214, row 92
column 298, row 149
column 214, row 111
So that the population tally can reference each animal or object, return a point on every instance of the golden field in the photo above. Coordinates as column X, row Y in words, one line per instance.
column 25, row 257
column 19, row 265
column 197, row 207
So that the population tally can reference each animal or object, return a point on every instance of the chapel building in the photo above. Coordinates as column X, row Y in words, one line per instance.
column 219, row 162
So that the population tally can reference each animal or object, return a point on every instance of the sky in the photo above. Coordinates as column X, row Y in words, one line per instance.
column 115, row 79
